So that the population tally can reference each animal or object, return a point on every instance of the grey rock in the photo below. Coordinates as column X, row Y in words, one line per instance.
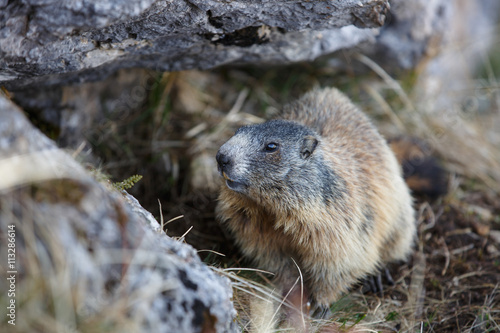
column 93, row 252
column 58, row 42
column 50, row 42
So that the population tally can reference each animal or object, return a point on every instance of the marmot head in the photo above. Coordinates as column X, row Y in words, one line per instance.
column 268, row 161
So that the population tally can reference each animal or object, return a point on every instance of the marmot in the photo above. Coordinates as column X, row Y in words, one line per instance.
column 321, row 186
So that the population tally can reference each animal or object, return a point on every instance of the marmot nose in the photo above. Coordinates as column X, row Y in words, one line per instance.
column 222, row 160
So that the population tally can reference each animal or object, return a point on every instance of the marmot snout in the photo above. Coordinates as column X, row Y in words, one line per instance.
column 320, row 188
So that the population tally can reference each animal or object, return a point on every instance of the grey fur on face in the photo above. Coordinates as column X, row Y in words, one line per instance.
column 271, row 156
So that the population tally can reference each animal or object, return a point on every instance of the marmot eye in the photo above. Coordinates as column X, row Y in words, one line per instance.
column 270, row 147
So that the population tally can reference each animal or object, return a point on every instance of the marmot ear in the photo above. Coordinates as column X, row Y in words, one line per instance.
column 309, row 143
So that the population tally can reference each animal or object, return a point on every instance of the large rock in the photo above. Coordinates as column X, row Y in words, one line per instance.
column 91, row 258
column 50, row 42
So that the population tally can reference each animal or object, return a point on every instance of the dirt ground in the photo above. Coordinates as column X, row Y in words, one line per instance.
column 461, row 262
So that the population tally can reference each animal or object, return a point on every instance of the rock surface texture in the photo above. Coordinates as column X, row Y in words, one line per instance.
column 56, row 42
column 92, row 253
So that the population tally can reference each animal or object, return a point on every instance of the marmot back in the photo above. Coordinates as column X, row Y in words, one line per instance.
column 321, row 186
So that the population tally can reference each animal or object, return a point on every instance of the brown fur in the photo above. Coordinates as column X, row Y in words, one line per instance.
column 340, row 211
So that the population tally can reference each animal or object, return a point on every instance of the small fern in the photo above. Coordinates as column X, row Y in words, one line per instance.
column 127, row 183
